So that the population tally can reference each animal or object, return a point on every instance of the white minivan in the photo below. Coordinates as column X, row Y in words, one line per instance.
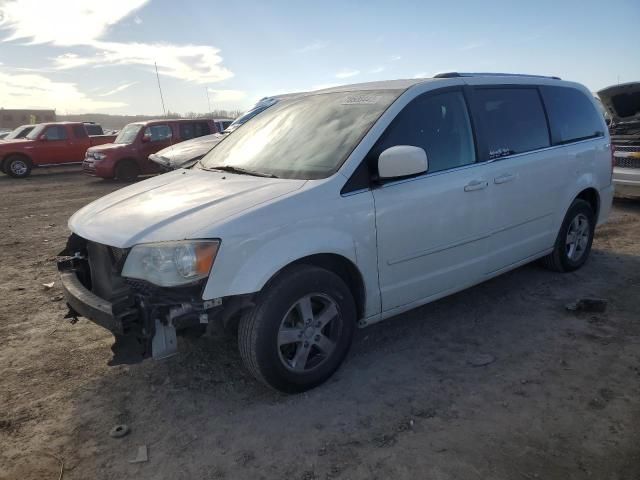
column 343, row 207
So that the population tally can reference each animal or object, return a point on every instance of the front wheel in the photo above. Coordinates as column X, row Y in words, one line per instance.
column 127, row 171
column 17, row 166
column 574, row 240
column 300, row 330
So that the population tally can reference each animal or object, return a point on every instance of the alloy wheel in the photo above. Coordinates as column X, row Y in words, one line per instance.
column 309, row 333
column 577, row 239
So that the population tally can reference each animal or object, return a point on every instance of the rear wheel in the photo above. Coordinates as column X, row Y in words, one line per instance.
column 574, row 240
column 127, row 170
column 17, row 166
column 300, row 330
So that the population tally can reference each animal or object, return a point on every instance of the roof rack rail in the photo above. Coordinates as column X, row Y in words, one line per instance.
column 489, row 74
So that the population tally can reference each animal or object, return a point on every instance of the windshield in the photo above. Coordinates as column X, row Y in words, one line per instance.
column 128, row 134
column 19, row 132
column 35, row 133
column 307, row 137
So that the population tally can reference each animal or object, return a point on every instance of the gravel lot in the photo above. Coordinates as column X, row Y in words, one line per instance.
column 559, row 398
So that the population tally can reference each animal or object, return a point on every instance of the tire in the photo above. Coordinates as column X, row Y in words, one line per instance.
column 282, row 351
column 568, row 257
column 17, row 166
column 127, row 170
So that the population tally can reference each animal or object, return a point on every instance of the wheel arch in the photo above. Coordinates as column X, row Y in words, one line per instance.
column 333, row 262
column 591, row 196
column 341, row 266
column 123, row 160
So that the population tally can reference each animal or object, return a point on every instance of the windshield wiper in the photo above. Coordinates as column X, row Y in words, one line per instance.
column 241, row 171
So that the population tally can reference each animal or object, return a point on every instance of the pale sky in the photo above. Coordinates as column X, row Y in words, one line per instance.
column 98, row 55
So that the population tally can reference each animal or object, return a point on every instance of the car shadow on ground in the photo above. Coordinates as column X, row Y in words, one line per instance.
column 458, row 387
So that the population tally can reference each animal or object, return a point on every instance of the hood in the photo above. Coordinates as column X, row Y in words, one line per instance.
column 14, row 140
column 183, row 153
column 622, row 101
column 173, row 206
column 109, row 146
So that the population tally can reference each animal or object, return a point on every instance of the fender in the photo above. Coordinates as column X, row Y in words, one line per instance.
column 272, row 256
column 4, row 157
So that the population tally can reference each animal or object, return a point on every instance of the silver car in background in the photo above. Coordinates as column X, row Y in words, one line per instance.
column 187, row 154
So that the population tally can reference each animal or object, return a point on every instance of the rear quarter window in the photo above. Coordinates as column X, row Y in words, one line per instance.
column 511, row 120
column 572, row 115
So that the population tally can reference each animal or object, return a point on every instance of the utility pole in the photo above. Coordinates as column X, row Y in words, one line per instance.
column 206, row 89
column 160, row 88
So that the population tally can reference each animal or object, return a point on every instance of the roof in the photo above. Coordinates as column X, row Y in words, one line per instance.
column 401, row 84
column 404, row 84
column 164, row 120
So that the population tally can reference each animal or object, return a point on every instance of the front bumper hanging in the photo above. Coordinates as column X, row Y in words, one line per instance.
column 142, row 317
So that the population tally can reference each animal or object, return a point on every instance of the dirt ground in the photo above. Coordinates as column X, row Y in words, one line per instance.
column 559, row 398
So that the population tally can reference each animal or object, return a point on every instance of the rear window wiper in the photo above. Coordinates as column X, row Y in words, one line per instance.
column 241, row 171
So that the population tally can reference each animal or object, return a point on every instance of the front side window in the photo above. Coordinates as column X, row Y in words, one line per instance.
column 55, row 132
column 439, row 124
column 158, row 133
column 572, row 115
column 511, row 120
column 128, row 134
column 307, row 137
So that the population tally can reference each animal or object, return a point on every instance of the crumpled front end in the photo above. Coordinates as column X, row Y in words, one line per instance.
column 143, row 317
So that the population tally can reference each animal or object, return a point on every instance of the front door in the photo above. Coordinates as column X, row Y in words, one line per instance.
column 156, row 137
column 432, row 229
column 54, row 145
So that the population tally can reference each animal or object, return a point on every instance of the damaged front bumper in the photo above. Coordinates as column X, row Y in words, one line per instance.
column 143, row 317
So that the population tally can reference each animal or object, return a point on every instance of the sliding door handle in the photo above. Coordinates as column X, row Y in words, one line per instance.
column 476, row 185
column 507, row 177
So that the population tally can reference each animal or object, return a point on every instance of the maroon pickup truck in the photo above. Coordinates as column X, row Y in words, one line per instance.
column 128, row 155
column 49, row 144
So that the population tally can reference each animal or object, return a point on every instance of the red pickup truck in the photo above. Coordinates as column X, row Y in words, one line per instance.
column 128, row 155
column 49, row 144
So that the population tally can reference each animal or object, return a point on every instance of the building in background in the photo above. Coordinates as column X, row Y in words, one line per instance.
column 12, row 118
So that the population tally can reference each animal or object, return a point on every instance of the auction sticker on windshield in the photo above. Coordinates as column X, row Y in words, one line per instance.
column 361, row 100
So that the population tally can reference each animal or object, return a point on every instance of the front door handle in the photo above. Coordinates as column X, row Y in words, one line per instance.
column 507, row 177
column 476, row 185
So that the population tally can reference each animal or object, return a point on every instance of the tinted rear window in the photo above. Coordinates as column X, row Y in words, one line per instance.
column 511, row 120
column 79, row 131
column 193, row 130
column 93, row 129
column 571, row 114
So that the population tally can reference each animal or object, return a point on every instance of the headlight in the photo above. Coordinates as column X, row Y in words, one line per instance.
column 169, row 264
column 99, row 156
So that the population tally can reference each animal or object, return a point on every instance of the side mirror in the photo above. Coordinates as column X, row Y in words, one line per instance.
column 146, row 138
column 42, row 138
column 402, row 161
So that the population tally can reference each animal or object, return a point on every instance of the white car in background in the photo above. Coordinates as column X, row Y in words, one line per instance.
column 343, row 207
column 623, row 104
